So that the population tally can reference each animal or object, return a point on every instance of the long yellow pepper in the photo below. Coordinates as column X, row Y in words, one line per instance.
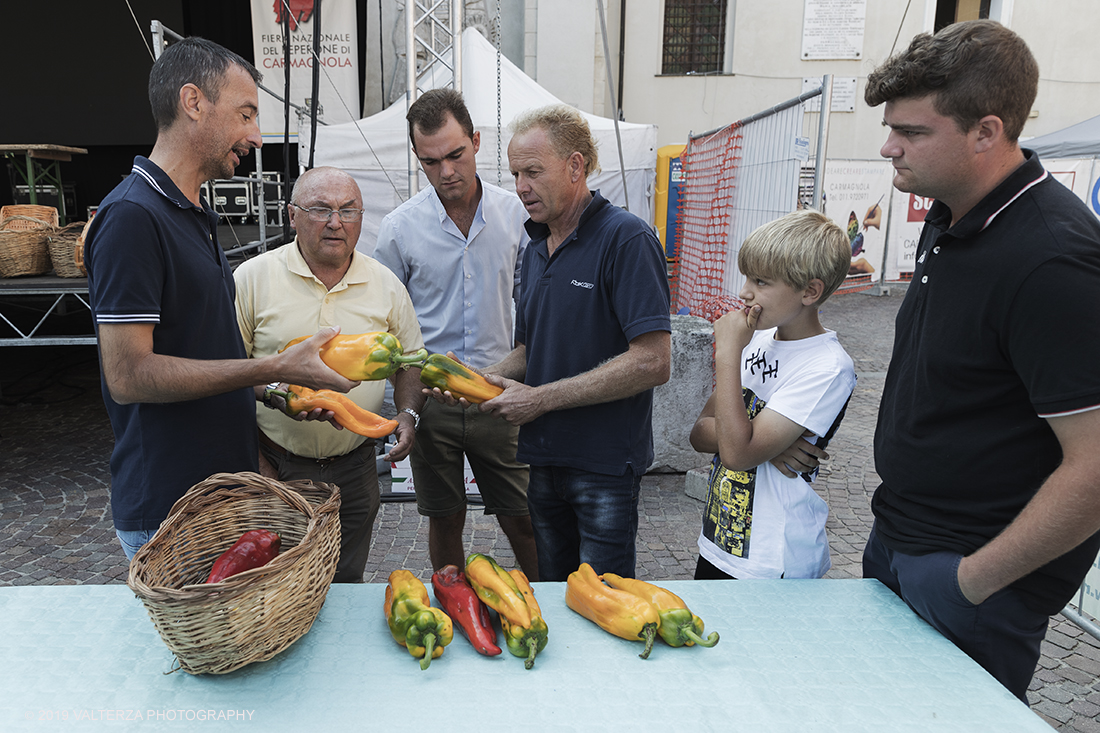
column 365, row 356
column 497, row 589
column 615, row 611
column 679, row 626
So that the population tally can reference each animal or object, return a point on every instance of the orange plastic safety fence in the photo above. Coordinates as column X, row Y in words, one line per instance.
column 710, row 167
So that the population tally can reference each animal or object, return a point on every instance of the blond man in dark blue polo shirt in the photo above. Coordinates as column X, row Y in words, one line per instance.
column 592, row 341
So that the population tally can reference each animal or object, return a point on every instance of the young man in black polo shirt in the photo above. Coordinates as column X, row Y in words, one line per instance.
column 987, row 517
column 179, row 391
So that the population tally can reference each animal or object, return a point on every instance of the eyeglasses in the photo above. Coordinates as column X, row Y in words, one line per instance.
column 322, row 214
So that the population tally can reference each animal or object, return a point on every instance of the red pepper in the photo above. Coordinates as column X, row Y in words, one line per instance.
column 459, row 601
column 254, row 549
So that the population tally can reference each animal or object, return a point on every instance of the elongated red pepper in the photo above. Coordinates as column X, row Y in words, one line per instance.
column 254, row 549
column 459, row 601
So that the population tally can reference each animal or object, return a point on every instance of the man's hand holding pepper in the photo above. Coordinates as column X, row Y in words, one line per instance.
column 444, row 397
column 519, row 404
column 302, row 364
column 277, row 402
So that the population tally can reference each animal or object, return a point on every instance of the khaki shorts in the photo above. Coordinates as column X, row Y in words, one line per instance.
column 490, row 446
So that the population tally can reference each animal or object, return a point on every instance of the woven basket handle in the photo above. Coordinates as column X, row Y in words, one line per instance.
column 20, row 217
column 254, row 480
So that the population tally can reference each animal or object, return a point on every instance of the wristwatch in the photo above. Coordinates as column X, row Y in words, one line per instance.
column 267, row 394
column 416, row 417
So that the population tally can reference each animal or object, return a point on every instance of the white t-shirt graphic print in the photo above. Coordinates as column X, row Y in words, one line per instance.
column 759, row 523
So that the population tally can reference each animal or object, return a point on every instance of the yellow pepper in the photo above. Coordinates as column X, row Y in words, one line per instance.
column 525, row 641
column 450, row 376
column 350, row 415
column 413, row 623
column 615, row 611
column 679, row 626
column 497, row 589
column 365, row 356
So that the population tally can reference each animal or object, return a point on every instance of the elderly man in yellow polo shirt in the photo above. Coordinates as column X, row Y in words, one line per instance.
column 316, row 281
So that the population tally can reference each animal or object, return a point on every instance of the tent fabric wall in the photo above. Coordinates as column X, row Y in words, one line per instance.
column 1076, row 141
column 374, row 150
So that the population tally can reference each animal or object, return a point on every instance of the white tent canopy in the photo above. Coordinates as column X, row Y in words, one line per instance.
column 374, row 150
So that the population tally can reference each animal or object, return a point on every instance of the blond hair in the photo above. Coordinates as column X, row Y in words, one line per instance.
column 567, row 130
column 802, row 246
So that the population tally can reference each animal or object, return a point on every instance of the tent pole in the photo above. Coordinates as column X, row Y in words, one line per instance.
column 822, row 139
column 500, row 166
column 614, row 104
column 456, row 44
column 410, row 84
column 315, row 87
column 286, row 114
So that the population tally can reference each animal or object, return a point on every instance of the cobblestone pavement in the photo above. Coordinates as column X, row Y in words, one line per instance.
column 55, row 523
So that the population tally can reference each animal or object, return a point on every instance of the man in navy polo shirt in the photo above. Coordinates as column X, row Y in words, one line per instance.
column 986, row 520
column 592, row 341
column 179, row 391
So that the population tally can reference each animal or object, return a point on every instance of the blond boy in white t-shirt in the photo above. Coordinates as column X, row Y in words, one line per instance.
column 781, row 379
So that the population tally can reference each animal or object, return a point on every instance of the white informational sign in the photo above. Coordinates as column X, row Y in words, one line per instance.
column 908, row 212
column 857, row 198
column 1073, row 173
column 833, row 29
column 844, row 94
column 801, row 149
column 401, row 478
column 338, row 85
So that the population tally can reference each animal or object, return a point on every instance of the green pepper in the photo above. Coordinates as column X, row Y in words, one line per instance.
column 365, row 356
column 413, row 623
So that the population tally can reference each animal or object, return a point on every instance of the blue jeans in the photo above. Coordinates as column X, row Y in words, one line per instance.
column 580, row 516
column 132, row 540
column 1001, row 634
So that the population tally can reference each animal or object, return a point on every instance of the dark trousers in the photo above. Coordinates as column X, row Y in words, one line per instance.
column 356, row 474
column 580, row 516
column 1002, row 634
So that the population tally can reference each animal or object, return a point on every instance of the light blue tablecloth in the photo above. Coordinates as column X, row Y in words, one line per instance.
column 825, row 655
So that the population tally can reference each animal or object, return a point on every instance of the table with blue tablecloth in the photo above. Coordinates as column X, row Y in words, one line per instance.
column 818, row 655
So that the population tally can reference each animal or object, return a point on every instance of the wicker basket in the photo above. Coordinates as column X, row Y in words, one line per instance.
column 252, row 616
column 33, row 216
column 78, row 250
column 24, row 239
column 62, row 246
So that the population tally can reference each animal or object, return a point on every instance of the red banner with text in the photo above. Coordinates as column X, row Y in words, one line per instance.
column 337, row 58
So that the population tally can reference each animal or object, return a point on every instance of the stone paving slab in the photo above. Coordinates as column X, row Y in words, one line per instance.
column 55, row 522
